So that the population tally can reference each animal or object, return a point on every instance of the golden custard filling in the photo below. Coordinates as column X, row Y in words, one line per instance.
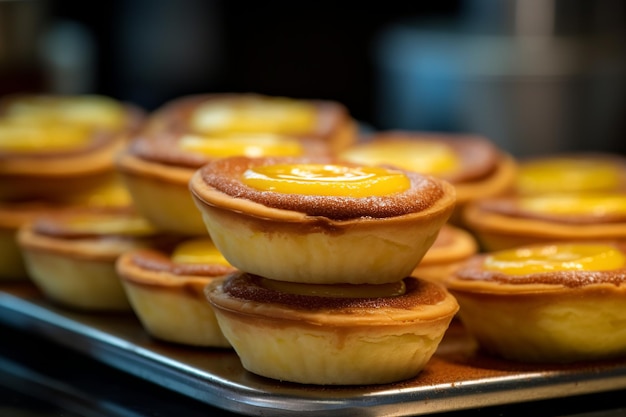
column 425, row 157
column 593, row 204
column 198, row 251
column 86, row 110
column 245, row 144
column 36, row 136
column 568, row 174
column 557, row 257
column 393, row 289
column 255, row 114
column 326, row 179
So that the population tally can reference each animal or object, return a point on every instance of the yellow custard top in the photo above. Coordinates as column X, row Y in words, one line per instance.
column 588, row 204
column 555, row 257
column 85, row 110
column 568, row 175
column 255, row 114
column 326, row 179
column 39, row 136
column 425, row 157
column 242, row 144
column 198, row 251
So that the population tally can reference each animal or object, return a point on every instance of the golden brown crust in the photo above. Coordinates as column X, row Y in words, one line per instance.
column 224, row 176
column 241, row 290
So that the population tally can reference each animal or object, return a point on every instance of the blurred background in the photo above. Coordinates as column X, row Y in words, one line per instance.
column 535, row 76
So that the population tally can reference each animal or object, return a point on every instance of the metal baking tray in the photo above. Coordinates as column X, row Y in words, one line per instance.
column 458, row 377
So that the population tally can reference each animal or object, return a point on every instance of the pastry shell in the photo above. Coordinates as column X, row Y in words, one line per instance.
column 356, row 341
column 169, row 299
column 290, row 245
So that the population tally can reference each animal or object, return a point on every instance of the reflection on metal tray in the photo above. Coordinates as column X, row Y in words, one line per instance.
column 458, row 377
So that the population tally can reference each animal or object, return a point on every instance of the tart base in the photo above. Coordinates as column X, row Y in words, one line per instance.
column 345, row 346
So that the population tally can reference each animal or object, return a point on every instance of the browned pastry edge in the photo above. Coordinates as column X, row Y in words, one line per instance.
column 249, row 288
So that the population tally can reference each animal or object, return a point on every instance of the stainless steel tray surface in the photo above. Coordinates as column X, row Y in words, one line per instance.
column 458, row 377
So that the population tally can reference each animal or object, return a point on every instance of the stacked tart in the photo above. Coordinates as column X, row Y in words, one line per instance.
column 324, row 252
column 472, row 163
column 560, row 302
column 57, row 152
column 557, row 198
column 165, row 288
column 191, row 131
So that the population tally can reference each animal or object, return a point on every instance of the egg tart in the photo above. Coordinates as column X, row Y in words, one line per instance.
column 54, row 145
column 581, row 172
column 332, row 334
column 317, row 220
column 515, row 220
column 189, row 132
column 452, row 247
column 71, row 256
column 472, row 163
column 166, row 291
column 561, row 302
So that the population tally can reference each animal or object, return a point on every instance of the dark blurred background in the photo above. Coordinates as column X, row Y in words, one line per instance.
column 535, row 76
